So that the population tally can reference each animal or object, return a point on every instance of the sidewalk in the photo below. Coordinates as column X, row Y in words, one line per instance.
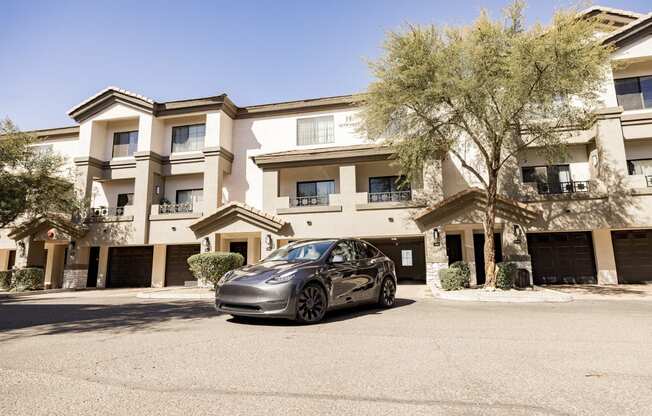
column 536, row 295
column 607, row 292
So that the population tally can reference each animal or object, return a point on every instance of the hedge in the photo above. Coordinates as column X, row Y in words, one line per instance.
column 505, row 275
column 210, row 267
column 5, row 279
column 465, row 270
column 452, row 278
column 29, row 278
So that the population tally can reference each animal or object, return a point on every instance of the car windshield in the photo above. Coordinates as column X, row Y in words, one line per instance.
column 301, row 251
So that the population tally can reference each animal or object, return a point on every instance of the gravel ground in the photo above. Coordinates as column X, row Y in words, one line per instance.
column 107, row 352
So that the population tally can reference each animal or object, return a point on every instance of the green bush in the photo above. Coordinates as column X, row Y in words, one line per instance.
column 505, row 275
column 29, row 278
column 452, row 278
column 464, row 269
column 5, row 279
column 210, row 267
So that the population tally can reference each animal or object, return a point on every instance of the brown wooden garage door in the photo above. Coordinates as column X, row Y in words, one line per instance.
column 408, row 255
column 130, row 267
column 559, row 258
column 176, row 264
column 633, row 251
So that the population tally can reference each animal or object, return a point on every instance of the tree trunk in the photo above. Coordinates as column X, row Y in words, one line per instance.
column 489, row 222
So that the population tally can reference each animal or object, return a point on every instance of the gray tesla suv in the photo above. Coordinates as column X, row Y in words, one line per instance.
column 304, row 280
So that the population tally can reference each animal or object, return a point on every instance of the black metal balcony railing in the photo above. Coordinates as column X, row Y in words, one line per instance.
column 648, row 180
column 397, row 196
column 562, row 187
column 307, row 201
column 175, row 208
column 103, row 212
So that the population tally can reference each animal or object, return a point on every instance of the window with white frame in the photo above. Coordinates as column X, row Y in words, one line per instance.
column 125, row 143
column 188, row 138
column 315, row 130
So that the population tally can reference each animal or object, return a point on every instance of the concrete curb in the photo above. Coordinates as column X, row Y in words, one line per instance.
column 540, row 295
column 4, row 294
column 165, row 294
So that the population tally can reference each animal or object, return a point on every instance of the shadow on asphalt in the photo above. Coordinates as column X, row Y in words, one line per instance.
column 76, row 318
column 331, row 317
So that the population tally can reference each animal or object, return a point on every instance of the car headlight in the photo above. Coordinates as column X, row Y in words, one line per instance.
column 281, row 278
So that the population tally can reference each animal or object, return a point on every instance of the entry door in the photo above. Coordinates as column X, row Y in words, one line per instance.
column 239, row 247
column 478, row 250
column 12, row 259
column 93, row 265
column 453, row 248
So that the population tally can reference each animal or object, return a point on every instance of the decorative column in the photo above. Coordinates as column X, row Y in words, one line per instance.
column 75, row 272
column 436, row 257
column 605, row 259
column 54, row 266
column 158, row 265
column 102, row 267
column 348, row 187
column 515, row 250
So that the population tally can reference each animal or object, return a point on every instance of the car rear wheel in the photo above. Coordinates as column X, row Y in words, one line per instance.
column 311, row 304
column 387, row 295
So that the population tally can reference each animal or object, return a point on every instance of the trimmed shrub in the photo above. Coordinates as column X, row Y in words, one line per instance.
column 505, row 275
column 210, row 267
column 464, row 269
column 29, row 278
column 452, row 278
column 5, row 279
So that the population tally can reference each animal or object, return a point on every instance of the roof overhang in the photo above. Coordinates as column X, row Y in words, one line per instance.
column 64, row 228
column 324, row 156
column 236, row 211
column 469, row 201
column 635, row 30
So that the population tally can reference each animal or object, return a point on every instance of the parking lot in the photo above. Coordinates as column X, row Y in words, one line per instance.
column 108, row 352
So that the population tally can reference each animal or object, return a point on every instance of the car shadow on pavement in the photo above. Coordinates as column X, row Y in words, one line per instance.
column 47, row 319
column 331, row 317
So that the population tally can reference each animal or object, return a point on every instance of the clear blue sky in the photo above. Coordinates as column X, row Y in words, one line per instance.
column 54, row 54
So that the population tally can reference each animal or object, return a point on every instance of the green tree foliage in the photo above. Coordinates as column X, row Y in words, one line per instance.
column 33, row 183
column 480, row 94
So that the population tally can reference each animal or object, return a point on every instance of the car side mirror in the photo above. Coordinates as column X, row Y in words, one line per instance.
column 337, row 258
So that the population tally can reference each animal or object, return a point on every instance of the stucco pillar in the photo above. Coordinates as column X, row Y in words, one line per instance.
column 514, row 242
column 102, row 267
column 469, row 254
column 251, row 249
column 30, row 253
column 436, row 257
column 605, row 260
column 348, row 187
column 4, row 260
column 610, row 148
column 143, row 190
column 75, row 272
column 270, row 190
column 54, row 266
column 158, row 265
column 214, row 167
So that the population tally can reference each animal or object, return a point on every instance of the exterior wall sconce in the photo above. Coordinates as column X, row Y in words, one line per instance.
column 518, row 234
column 436, row 237
column 174, row 228
column 71, row 249
column 157, row 190
column 268, row 242
column 206, row 244
column 309, row 222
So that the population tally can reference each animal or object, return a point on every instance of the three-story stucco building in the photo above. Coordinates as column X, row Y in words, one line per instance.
column 166, row 180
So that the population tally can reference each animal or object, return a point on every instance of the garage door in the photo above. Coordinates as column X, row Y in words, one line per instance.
column 633, row 251
column 408, row 255
column 177, row 272
column 559, row 258
column 130, row 267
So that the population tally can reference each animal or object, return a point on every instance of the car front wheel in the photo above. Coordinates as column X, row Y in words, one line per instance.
column 311, row 304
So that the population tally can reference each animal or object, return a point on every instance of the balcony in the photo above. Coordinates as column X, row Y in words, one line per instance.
column 648, row 180
column 175, row 208
column 309, row 201
column 183, row 210
column 555, row 188
column 397, row 196
column 111, row 214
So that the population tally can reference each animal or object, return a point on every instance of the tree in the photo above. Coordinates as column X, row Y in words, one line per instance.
column 33, row 183
column 482, row 93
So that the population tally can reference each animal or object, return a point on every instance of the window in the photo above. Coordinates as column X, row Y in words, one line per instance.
column 188, row 138
column 314, row 192
column 301, row 251
column 190, row 198
column 365, row 251
column 389, row 188
column 639, row 167
column 546, row 174
column 315, row 130
column 125, row 143
column 634, row 93
column 344, row 249
column 123, row 201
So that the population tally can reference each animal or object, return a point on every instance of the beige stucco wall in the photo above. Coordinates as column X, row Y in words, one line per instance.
column 181, row 182
column 106, row 193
